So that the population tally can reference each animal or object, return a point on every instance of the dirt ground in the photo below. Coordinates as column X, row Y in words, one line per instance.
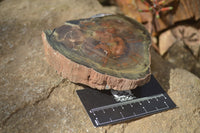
column 34, row 98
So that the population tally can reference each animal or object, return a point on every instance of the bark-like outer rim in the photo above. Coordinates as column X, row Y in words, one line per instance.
column 90, row 77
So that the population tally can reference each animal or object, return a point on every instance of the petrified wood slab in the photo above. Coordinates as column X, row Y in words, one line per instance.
column 102, row 52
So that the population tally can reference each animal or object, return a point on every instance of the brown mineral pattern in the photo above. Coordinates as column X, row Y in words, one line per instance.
column 103, row 53
column 81, row 74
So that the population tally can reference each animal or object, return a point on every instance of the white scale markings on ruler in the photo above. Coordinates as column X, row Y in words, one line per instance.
column 139, row 100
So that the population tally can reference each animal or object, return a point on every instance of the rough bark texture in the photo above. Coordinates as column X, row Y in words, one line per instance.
column 81, row 74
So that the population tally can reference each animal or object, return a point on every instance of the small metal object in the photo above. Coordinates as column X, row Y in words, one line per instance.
column 122, row 96
column 109, row 106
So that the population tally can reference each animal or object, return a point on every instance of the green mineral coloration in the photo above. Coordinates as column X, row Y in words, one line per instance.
column 114, row 45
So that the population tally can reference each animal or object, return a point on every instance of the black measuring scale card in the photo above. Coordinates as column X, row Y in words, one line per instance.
column 103, row 109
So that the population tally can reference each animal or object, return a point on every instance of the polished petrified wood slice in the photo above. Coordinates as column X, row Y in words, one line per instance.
column 102, row 52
